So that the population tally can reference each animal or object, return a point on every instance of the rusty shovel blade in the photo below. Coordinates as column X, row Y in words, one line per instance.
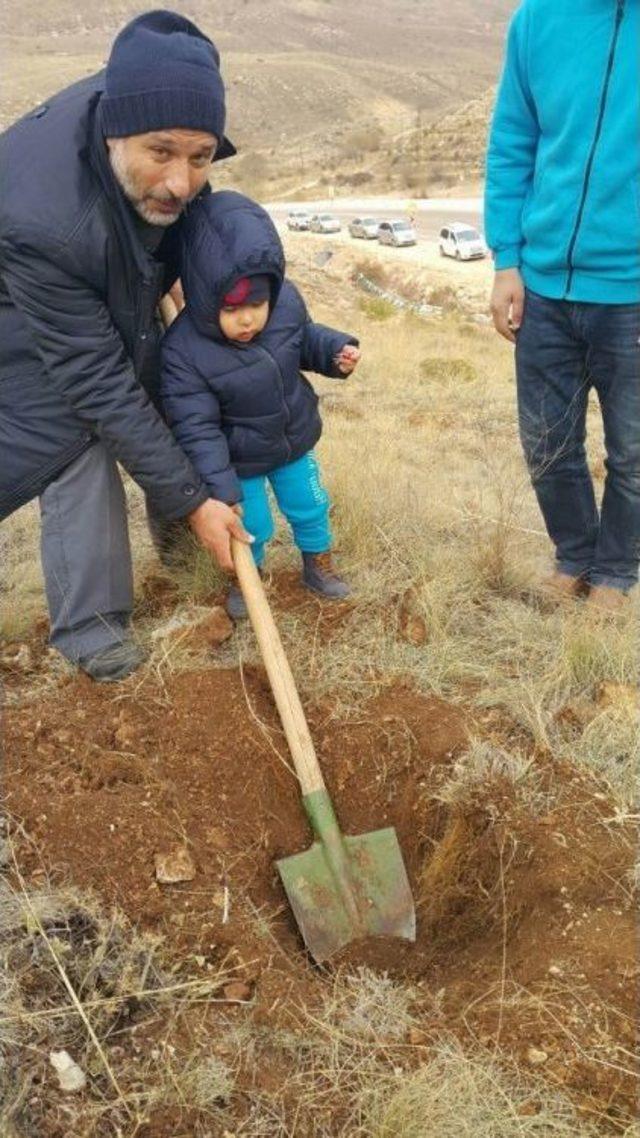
column 347, row 888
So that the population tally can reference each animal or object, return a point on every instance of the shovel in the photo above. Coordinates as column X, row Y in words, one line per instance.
column 343, row 888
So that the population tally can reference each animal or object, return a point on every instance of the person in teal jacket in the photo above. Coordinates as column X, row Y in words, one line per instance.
column 562, row 216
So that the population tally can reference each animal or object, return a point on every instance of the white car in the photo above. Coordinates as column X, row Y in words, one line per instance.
column 461, row 241
column 324, row 223
column 298, row 219
column 399, row 232
column 366, row 227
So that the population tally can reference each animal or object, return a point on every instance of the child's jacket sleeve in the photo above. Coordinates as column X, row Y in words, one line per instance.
column 192, row 411
column 511, row 156
column 319, row 347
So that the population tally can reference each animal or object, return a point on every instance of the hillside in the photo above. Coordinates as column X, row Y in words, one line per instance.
column 430, row 158
column 308, row 88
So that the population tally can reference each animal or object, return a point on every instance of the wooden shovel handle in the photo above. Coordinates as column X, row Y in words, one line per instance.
column 278, row 670
column 275, row 661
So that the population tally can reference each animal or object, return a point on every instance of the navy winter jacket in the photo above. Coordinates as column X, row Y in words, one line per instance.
column 79, row 341
column 240, row 410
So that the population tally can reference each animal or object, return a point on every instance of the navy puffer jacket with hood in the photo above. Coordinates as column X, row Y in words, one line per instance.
column 241, row 410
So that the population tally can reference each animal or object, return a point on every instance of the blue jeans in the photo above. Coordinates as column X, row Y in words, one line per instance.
column 563, row 349
column 302, row 499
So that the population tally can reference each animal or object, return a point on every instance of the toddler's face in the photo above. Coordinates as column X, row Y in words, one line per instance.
column 244, row 321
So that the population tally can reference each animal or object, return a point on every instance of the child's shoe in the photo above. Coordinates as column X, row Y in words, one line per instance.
column 234, row 604
column 318, row 574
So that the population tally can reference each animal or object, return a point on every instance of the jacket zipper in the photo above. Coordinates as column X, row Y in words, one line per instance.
column 144, row 311
column 276, row 365
column 592, row 153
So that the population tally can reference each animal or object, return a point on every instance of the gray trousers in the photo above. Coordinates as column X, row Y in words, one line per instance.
column 86, row 556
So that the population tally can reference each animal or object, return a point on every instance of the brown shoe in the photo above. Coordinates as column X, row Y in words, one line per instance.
column 319, row 574
column 607, row 601
column 562, row 587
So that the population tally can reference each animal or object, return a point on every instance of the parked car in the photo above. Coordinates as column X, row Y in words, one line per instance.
column 398, row 232
column 366, row 227
column 298, row 219
column 325, row 223
column 461, row 241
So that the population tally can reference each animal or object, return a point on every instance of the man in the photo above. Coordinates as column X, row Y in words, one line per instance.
column 563, row 221
column 93, row 186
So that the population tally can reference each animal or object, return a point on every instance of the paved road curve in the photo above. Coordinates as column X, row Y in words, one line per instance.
column 430, row 214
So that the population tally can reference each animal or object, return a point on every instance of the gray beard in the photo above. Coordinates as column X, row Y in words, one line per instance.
column 142, row 208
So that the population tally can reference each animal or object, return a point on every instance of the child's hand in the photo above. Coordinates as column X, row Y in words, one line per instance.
column 347, row 359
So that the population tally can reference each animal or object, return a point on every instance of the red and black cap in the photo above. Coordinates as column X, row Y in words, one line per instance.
column 248, row 290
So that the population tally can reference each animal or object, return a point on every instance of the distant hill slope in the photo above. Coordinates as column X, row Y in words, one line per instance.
column 310, row 82
column 449, row 151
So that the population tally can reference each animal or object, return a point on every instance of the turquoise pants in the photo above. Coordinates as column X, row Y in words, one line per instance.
column 302, row 499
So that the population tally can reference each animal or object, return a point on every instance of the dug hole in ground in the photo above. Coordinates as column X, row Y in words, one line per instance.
column 145, row 930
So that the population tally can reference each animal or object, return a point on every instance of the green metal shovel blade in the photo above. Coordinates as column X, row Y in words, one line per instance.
column 347, row 888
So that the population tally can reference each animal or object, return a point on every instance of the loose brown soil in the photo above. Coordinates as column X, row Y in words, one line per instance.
column 525, row 926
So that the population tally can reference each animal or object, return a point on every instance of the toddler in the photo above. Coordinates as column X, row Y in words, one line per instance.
column 232, row 388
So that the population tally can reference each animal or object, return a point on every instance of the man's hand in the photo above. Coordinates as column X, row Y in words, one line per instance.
column 214, row 524
column 507, row 302
column 347, row 359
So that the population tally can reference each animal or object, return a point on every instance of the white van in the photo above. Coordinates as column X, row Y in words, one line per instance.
column 462, row 241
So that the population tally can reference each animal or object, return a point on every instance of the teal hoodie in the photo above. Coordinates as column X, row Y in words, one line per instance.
column 563, row 167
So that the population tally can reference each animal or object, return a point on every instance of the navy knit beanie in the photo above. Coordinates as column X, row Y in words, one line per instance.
column 163, row 74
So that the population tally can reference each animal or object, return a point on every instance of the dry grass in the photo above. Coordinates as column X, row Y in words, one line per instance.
column 369, row 1006
column 432, row 507
column 77, row 979
column 458, row 1095
column 377, row 308
column 351, row 1073
column 431, row 502
column 359, row 1066
column 21, row 586
column 432, row 499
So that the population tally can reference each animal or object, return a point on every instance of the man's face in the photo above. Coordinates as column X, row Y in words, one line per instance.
column 161, row 171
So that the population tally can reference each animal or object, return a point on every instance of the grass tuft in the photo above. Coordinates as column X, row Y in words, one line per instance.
column 457, row 1095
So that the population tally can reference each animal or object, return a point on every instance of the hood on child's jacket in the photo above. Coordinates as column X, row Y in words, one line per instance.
column 241, row 410
column 226, row 236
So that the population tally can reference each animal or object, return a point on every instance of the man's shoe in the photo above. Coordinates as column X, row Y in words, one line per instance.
column 113, row 663
column 319, row 575
column 607, row 601
column 563, row 587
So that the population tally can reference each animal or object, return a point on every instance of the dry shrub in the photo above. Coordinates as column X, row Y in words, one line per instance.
column 377, row 308
column 447, row 370
column 204, row 1083
column 485, row 794
column 370, row 1006
column 441, row 876
column 458, row 1095
column 444, row 296
column 373, row 270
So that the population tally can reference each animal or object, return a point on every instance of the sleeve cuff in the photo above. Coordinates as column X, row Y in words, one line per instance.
column 509, row 258
column 225, row 488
